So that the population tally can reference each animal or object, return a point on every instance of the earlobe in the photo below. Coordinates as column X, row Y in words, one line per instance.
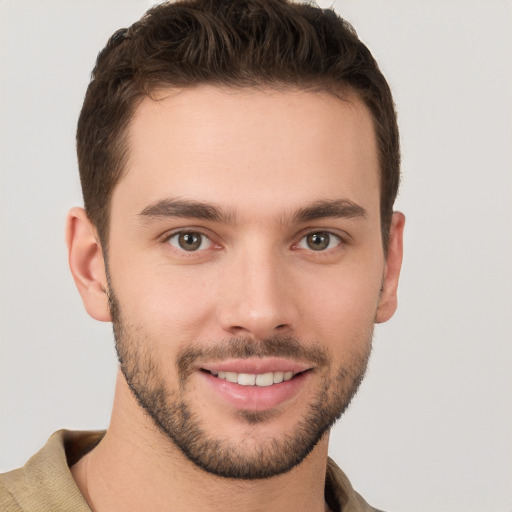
column 388, row 298
column 86, row 262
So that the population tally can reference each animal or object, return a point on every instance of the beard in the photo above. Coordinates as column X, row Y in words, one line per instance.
column 252, row 457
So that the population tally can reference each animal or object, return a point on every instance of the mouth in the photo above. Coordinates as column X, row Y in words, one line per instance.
column 256, row 384
column 255, row 379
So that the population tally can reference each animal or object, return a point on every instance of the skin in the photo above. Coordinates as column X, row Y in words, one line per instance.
column 259, row 156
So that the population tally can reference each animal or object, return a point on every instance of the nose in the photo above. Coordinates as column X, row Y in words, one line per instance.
column 258, row 299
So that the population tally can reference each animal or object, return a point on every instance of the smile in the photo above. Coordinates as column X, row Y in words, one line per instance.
column 255, row 384
column 251, row 379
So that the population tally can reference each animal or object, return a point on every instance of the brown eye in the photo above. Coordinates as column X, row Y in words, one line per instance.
column 319, row 241
column 189, row 241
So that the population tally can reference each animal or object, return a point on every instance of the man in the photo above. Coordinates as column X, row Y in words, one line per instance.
column 239, row 163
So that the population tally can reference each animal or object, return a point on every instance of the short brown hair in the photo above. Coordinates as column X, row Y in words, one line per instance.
column 241, row 43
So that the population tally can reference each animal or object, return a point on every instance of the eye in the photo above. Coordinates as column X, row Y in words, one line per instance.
column 319, row 241
column 189, row 241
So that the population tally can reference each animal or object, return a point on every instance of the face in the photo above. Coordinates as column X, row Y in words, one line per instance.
column 245, row 270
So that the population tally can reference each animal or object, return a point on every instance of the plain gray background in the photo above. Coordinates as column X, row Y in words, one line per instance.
column 431, row 428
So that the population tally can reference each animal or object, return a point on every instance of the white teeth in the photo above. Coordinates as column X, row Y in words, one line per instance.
column 278, row 377
column 246, row 379
column 265, row 379
column 250, row 379
column 232, row 377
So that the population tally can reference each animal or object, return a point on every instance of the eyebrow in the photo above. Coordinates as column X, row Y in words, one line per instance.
column 190, row 209
column 338, row 208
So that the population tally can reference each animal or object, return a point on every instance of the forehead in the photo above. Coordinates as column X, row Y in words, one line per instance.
column 244, row 147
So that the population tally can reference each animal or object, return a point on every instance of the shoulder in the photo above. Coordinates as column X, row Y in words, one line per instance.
column 45, row 481
column 340, row 494
column 8, row 502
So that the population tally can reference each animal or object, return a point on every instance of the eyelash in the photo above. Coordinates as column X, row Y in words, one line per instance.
column 339, row 241
column 204, row 239
column 332, row 237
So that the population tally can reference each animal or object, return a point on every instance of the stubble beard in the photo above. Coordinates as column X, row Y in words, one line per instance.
column 250, row 458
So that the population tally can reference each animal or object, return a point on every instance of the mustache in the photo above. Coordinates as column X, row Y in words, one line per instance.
column 244, row 348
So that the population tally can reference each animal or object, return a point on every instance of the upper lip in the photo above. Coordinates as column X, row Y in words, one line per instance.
column 256, row 365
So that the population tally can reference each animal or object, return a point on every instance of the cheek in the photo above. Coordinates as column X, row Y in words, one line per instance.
column 342, row 303
column 165, row 304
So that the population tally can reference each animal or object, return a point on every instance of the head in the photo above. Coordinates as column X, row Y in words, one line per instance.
column 249, row 43
column 239, row 162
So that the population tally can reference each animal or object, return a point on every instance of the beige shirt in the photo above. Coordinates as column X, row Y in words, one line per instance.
column 45, row 483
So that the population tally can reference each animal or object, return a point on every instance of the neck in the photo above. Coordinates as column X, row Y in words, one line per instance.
column 136, row 467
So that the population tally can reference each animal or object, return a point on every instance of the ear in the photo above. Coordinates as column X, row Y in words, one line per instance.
column 388, row 296
column 86, row 262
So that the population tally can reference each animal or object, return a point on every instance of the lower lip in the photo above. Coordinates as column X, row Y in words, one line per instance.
column 256, row 398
